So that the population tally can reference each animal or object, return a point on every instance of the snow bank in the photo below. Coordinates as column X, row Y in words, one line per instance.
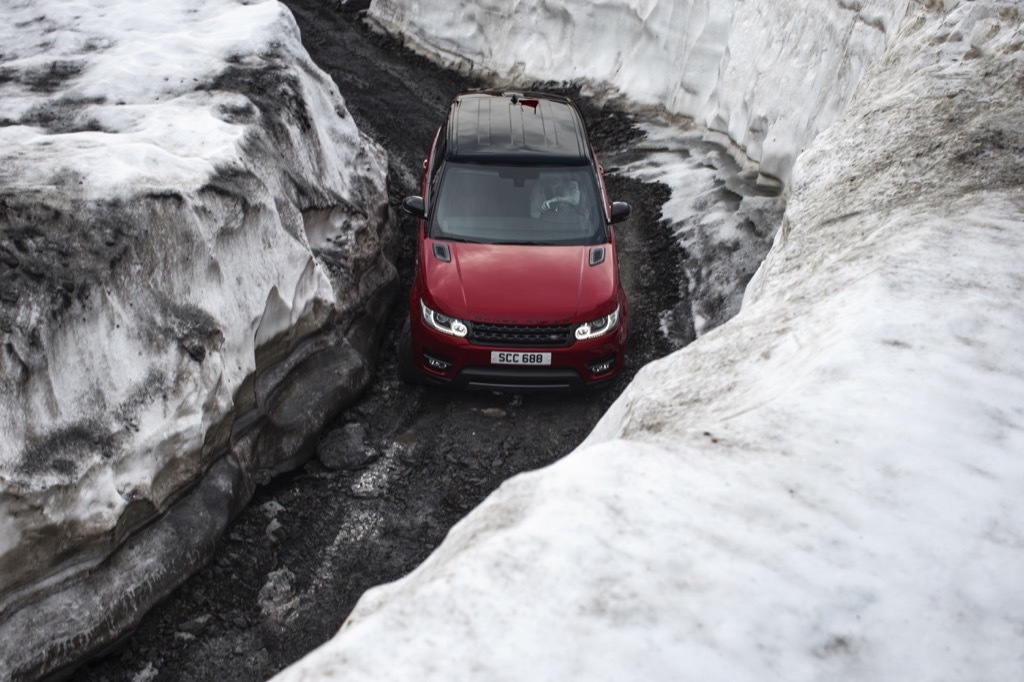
column 723, row 220
column 735, row 67
column 827, row 486
column 192, row 273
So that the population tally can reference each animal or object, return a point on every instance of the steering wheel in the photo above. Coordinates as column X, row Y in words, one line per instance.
column 558, row 205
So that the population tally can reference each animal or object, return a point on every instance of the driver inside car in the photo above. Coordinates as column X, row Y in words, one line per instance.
column 550, row 197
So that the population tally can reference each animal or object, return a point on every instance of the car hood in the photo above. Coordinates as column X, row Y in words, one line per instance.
column 515, row 284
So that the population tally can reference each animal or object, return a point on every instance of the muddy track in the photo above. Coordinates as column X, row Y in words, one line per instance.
column 398, row 469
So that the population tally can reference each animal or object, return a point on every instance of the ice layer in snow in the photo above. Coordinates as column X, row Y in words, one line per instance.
column 828, row 486
column 191, row 279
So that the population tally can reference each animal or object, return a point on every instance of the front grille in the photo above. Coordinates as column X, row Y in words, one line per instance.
column 551, row 336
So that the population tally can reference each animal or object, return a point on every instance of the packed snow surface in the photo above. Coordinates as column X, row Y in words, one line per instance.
column 829, row 485
column 190, row 223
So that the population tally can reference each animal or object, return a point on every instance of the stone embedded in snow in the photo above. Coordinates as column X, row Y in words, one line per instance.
column 828, row 486
column 193, row 273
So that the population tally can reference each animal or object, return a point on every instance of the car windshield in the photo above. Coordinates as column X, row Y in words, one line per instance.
column 518, row 205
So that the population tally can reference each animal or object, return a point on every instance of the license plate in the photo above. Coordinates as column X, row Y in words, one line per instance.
column 507, row 358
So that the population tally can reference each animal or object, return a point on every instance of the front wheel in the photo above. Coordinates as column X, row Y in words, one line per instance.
column 408, row 373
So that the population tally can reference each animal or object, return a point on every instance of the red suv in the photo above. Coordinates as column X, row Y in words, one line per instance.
column 516, row 284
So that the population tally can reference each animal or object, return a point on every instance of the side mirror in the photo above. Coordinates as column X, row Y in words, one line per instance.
column 620, row 211
column 414, row 206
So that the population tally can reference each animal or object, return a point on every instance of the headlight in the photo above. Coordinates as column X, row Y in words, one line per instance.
column 443, row 323
column 598, row 327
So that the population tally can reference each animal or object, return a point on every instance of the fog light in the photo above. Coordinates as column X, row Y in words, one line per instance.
column 601, row 366
column 435, row 363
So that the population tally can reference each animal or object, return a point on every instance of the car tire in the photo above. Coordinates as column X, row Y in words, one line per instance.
column 408, row 373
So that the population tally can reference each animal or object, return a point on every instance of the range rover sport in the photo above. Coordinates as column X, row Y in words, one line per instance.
column 516, row 284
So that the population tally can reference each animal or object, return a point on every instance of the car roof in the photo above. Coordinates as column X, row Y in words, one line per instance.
column 516, row 128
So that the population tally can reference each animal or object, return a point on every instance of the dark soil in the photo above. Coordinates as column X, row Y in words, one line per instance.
column 405, row 463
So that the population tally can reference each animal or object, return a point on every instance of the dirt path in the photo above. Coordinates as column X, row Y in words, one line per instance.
column 406, row 464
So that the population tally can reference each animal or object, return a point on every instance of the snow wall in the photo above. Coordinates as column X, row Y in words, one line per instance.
column 735, row 67
column 828, row 485
column 194, row 270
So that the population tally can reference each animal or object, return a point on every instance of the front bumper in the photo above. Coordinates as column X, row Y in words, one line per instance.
column 452, row 361
column 519, row 379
